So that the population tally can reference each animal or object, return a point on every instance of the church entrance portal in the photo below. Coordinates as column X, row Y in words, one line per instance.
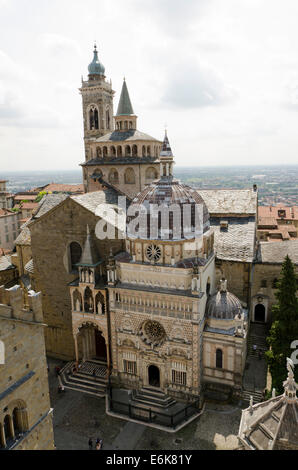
column 260, row 313
column 100, row 346
column 91, row 344
column 153, row 376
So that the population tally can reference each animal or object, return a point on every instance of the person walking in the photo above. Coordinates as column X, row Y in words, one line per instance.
column 90, row 443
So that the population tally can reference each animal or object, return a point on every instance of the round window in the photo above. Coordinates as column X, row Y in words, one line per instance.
column 153, row 252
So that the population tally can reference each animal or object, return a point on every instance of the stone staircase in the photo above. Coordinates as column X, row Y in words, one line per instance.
column 152, row 397
column 256, row 394
column 254, row 380
column 257, row 336
column 91, row 378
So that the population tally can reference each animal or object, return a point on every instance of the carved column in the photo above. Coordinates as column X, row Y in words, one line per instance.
column 2, row 435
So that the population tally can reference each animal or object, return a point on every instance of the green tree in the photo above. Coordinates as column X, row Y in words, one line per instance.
column 284, row 329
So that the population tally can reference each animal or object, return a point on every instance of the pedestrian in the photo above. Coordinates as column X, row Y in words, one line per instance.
column 254, row 347
column 90, row 443
column 99, row 444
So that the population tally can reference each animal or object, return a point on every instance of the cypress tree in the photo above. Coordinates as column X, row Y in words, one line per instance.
column 284, row 329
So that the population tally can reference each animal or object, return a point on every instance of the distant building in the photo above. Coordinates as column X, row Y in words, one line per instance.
column 6, row 199
column 277, row 223
column 9, row 228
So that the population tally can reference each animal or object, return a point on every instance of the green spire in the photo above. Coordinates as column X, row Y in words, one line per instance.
column 124, row 106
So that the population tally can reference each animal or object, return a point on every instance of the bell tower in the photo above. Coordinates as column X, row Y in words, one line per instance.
column 97, row 100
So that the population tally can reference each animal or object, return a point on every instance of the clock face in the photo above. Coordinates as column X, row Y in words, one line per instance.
column 153, row 252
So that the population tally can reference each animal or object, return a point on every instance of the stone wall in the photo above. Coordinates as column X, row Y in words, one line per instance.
column 23, row 377
column 238, row 277
column 51, row 236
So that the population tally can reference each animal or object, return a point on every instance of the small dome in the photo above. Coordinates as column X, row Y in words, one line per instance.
column 168, row 191
column 96, row 67
column 223, row 305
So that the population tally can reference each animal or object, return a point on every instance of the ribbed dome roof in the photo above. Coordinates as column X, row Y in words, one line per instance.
column 96, row 67
column 168, row 191
column 224, row 305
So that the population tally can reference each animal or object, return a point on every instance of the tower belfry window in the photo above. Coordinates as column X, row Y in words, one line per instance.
column 93, row 118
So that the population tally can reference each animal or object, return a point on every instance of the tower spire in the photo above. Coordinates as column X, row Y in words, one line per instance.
column 166, row 158
column 124, row 106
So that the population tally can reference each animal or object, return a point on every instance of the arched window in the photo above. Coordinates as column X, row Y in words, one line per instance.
column 98, row 152
column 119, row 151
column 134, row 150
column 125, row 125
column 93, row 118
column 75, row 255
column 88, row 300
column 127, row 151
column 16, row 421
column 144, row 151
column 219, row 359
column 129, row 176
column 7, row 428
column 130, row 124
column 148, row 151
column 113, row 176
column 113, row 151
column 104, row 151
column 151, row 173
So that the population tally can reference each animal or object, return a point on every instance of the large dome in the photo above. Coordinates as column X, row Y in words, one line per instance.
column 223, row 306
column 167, row 192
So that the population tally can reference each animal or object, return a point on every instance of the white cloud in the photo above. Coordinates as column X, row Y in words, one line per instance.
column 222, row 74
column 193, row 85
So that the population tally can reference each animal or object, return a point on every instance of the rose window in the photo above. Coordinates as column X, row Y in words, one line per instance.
column 153, row 252
column 153, row 333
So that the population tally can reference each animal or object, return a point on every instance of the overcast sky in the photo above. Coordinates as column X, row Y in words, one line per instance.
column 222, row 74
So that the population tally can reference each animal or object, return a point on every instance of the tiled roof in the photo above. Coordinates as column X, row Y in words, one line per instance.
column 230, row 201
column 91, row 201
column 120, row 161
column 25, row 197
column 64, row 188
column 24, row 238
column 29, row 205
column 269, row 252
column 130, row 135
column 236, row 242
column 5, row 212
column 5, row 263
column 48, row 202
column 291, row 213
column 29, row 267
